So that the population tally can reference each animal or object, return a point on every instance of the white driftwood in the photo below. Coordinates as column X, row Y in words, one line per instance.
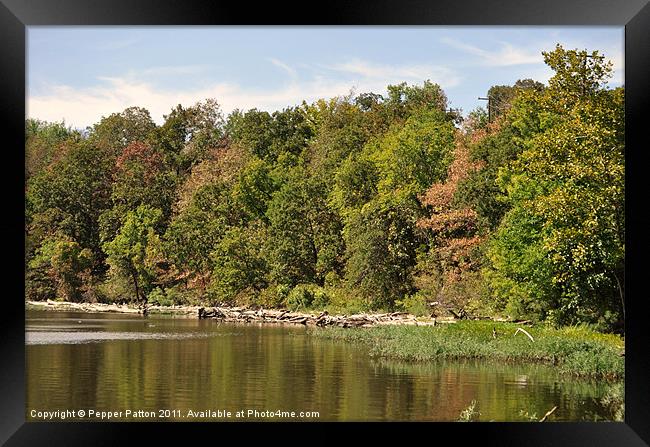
column 525, row 332
column 548, row 413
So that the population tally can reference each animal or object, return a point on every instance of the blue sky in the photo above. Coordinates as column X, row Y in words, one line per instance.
column 79, row 74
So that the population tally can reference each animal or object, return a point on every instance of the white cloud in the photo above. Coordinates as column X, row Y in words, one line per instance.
column 506, row 55
column 81, row 107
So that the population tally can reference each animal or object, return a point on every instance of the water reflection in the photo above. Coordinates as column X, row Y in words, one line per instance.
column 110, row 362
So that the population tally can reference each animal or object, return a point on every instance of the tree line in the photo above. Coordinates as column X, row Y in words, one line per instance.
column 365, row 201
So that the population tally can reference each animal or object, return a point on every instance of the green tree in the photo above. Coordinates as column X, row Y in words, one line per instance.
column 403, row 99
column 559, row 250
column 140, row 177
column 66, row 199
column 480, row 190
column 413, row 156
column 44, row 142
column 240, row 264
column 578, row 74
column 195, row 232
column 68, row 266
column 381, row 253
column 304, row 232
column 189, row 133
column 355, row 184
column 118, row 130
column 256, row 182
column 341, row 128
column 136, row 247
column 502, row 96
column 252, row 131
column 269, row 136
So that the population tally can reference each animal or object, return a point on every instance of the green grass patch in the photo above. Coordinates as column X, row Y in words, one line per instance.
column 576, row 351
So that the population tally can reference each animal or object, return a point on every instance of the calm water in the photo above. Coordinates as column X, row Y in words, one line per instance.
column 112, row 362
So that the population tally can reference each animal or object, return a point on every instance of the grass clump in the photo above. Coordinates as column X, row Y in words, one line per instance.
column 577, row 352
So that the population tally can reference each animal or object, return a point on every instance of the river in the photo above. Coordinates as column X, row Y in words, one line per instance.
column 161, row 368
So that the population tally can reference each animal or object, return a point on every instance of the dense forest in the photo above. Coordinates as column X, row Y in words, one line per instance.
column 352, row 203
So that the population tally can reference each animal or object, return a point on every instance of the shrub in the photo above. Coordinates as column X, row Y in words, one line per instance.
column 181, row 295
column 93, row 293
column 345, row 301
column 116, row 289
column 300, row 297
column 39, row 285
column 305, row 296
column 273, row 296
column 321, row 298
column 67, row 264
column 415, row 304
column 159, row 297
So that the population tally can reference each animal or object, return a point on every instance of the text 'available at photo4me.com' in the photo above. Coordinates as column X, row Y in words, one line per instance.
column 171, row 414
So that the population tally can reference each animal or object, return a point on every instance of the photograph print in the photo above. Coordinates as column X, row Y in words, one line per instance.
column 341, row 223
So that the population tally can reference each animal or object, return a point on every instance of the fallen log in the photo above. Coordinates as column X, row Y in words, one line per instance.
column 524, row 322
column 323, row 319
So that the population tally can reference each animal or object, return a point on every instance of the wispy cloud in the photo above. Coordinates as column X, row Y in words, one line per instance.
column 290, row 70
column 444, row 76
column 507, row 54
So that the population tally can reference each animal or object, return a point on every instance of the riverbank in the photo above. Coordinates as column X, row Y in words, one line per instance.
column 248, row 315
column 575, row 351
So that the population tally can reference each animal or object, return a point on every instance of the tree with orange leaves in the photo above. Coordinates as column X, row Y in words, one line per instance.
column 452, row 229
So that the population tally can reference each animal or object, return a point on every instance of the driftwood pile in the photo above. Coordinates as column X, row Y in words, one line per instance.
column 83, row 307
column 248, row 315
column 240, row 314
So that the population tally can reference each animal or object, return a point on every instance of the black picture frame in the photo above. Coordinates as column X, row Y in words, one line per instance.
column 16, row 15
